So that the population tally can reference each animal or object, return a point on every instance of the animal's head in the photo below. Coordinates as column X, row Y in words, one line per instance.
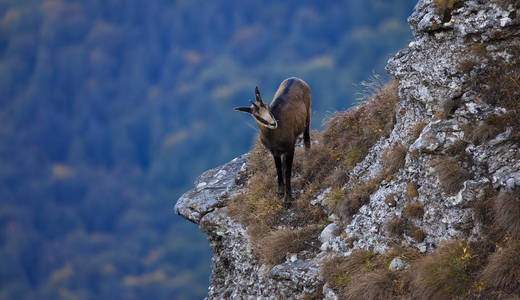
column 260, row 111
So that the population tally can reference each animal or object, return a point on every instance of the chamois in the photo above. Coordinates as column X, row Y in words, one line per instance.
column 280, row 124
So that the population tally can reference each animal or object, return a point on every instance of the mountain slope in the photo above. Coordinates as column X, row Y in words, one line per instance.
column 432, row 190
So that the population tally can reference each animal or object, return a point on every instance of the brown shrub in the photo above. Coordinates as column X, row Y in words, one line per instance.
column 378, row 284
column 276, row 244
column 394, row 159
column 507, row 213
column 451, row 175
column 413, row 209
column 503, row 269
column 443, row 274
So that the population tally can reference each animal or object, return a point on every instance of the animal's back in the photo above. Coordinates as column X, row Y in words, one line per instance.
column 291, row 107
column 293, row 88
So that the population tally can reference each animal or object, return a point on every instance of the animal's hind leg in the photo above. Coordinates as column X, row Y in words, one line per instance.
column 278, row 163
column 306, row 134
column 288, row 160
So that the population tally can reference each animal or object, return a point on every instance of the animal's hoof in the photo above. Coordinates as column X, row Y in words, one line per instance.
column 279, row 195
column 287, row 204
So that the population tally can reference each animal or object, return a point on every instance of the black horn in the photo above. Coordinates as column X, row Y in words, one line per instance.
column 258, row 97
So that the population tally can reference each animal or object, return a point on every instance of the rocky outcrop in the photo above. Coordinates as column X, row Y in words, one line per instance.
column 442, row 103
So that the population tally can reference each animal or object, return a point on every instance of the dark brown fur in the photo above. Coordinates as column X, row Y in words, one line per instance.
column 291, row 109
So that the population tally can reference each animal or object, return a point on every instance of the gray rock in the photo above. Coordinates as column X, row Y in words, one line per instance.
column 398, row 264
column 328, row 233
column 209, row 188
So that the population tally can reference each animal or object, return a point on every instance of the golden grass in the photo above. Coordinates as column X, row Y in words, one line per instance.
column 451, row 174
column 444, row 274
column 394, row 159
column 507, row 213
column 503, row 270
column 276, row 244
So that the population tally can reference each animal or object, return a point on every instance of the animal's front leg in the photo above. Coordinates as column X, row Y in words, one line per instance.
column 278, row 163
column 288, row 160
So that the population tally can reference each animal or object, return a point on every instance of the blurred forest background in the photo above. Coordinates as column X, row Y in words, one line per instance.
column 110, row 109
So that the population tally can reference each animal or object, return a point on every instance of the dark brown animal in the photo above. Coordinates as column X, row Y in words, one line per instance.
column 280, row 124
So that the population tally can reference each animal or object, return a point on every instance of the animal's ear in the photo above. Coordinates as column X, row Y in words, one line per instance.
column 246, row 109
column 258, row 97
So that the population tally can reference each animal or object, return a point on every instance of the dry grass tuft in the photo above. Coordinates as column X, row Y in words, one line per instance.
column 274, row 246
column 415, row 232
column 444, row 274
column 499, row 85
column 394, row 159
column 413, row 209
column 378, row 284
column 352, row 200
column 338, row 271
column 451, row 175
column 507, row 213
column 396, row 226
column 350, row 134
column 449, row 107
column 411, row 190
column 416, row 130
column 457, row 148
column 445, row 7
column 482, row 133
column 503, row 269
